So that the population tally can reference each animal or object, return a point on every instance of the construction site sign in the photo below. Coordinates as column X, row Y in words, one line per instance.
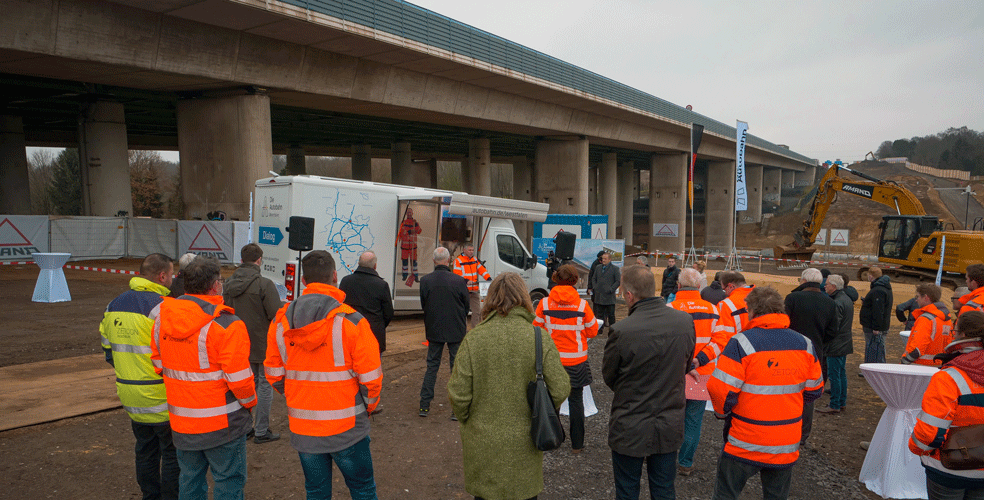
column 22, row 236
column 661, row 229
column 821, row 238
column 839, row 237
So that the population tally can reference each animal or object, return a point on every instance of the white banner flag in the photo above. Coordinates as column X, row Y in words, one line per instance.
column 741, row 192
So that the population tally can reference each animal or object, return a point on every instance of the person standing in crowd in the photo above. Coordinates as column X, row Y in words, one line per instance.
column 324, row 359
column 605, row 283
column 837, row 347
column 876, row 309
column 177, row 284
column 813, row 314
column 705, row 317
column 762, row 428
column 904, row 312
column 496, row 362
column 714, row 292
column 444, row 299
column 955, row 302
column 642, row 260
column 369, row 294
column 594, row 265
column 974, row 301
column 670, row 276
column 931, row 331
column 470, row 268
column 646, row 359
column 824, row 272
column 552, row 263
column 202, row 349
column 952, row 400
column 570, row 323
column 699, row 266
column 255, row 300
column 409, row 229
column 731, row 311
column 126, row 333
column 849, row 290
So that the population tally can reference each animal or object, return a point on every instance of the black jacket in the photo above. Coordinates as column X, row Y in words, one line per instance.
column 841, row 344
column 812, row 313
column 444, row 298
column 256, row 302
column 595, row 264
column 369, row 294
column 670, row 277
column 647, row 356
column 904, row 312
column 876, row 308
column 713, row 293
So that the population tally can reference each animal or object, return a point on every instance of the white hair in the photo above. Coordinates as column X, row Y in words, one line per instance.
column 186, row 259
column 689, row 278
column 811, row 274
column 642, row 260
column 836, row 280
column 442, row 255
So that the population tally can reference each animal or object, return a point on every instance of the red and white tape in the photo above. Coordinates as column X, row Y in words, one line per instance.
column 81, row 268
column 756, row 257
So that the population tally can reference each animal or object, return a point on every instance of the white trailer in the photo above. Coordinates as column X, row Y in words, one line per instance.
column 354, row 216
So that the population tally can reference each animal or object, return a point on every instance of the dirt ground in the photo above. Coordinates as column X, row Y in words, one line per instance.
column 91, row 456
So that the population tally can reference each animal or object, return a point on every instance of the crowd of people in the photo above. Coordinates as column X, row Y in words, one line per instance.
column 198, row 356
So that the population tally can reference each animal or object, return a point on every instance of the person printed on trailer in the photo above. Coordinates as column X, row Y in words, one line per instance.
column 409, row 230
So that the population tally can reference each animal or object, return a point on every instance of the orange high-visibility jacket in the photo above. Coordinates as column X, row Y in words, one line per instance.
column 319, row 351
column 470, row 269
column 409, row 229
column 733, row 315
column 973, row 301
column 954, row 398
column 202, row 350
column 764, row 376
column 705, row 317
column 930, row 335
column 570, row 322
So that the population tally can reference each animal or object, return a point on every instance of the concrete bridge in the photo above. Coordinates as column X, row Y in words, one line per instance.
column 228, row 83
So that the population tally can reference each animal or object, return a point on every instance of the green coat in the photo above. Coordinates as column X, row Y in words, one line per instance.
column 495, row 362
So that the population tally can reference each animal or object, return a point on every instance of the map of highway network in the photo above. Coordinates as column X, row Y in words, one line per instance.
column 348, row 233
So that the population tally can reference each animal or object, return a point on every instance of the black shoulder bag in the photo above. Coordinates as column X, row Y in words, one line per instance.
column 545, row 428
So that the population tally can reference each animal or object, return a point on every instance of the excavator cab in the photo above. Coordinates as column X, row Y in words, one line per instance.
column 899, row 233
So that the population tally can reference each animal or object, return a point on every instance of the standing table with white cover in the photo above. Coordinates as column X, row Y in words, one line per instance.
column 890, row 469
column 51, row 286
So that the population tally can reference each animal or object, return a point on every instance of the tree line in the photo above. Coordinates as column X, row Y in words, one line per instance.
column 952, row 149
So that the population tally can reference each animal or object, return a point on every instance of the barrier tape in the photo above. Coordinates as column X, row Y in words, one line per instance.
column 759, row 257
column 80, row 268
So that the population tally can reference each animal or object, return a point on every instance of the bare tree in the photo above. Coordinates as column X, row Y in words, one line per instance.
column 40, row 176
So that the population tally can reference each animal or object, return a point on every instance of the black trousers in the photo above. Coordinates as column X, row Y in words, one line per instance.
column 732, row 476
column 575, row 403
column 157, row 461
column 605, row 312
column 434, row 352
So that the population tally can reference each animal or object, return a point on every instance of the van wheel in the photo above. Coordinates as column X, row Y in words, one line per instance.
column 536, row 296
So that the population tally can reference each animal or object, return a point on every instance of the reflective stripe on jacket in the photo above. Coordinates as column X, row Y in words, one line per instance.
column 470, row 269
column 126, row 330
column 570, row 322
column 973, row 301
column 764, row 376
column 733, row 315
column 930, row 335
column 319, row 352
column 952, row 399
column 202, row 350
column 409, row 230
column 705, row 317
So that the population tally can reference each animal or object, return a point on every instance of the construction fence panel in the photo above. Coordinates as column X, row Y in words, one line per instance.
column 89, row 237
column 147, row 236
column 21, row 236
column 242, row 234
column 208, row 238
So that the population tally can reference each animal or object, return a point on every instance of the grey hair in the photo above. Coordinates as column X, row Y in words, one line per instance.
column 811, row 274
column 642, row 260
column 836, row 280
column 689, row 278
column 186, row 259
column 367, row 259
column 442, row 255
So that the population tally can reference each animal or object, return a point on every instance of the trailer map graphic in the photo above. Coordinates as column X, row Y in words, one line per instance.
column 348, row 233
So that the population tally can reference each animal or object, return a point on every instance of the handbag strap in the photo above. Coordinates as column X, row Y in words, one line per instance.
column 539, row 352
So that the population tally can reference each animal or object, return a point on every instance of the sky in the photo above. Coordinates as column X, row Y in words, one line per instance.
column 832, row 79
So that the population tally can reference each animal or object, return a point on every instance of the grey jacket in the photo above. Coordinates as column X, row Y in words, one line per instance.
column 604, row 283
column 841, row 343
column 646, row 359
column 256, row 302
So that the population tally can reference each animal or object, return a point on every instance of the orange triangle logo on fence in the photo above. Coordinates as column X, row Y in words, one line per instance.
column 202, row 248
column 10, row 236
column 665, row 230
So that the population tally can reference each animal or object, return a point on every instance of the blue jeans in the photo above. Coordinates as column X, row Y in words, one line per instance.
column 264, row 397
column 628, row 472
column 228, row 464
column 691, row 431
column 874, row 346
column 355, row 464
column 837, row 378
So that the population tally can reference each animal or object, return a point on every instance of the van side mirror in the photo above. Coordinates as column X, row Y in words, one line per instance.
column 531, row 262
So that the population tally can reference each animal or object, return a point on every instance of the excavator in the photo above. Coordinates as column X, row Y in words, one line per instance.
column 910, row 239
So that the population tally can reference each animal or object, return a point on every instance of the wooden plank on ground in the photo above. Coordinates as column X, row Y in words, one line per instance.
column 34, row 393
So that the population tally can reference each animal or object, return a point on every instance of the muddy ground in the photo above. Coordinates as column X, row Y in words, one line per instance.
column 91, row 456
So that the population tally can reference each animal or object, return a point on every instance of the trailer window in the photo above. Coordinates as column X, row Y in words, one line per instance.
column 510, row 251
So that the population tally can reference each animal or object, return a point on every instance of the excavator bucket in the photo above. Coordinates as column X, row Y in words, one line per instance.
column 794, row 252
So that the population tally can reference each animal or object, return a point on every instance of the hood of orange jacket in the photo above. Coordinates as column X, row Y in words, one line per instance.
column 940, row 313
column 769, row 321
column 565, row 294
column 309, row 320
column 188, row 316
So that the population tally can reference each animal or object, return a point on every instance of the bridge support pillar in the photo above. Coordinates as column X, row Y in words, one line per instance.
column 788, row 179
column 480, row 166
column 772, row 185
column 668, row 203
column 562, row 175
column 296, row 161
column 430, row 173
column 401, row 164
column 608, row 194
column 593, row 188
column 225, row 146
column 523, row 190
column 104, row 160
column 15, row 193
column 362, row 162
column 626, row 197
column 753, row 185
column 720, row 212
column 806, row 177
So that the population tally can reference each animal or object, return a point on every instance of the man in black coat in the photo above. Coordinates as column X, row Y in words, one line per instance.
column 444, row 298
column 594, row 265
column 670, row 276
column 646, row 359
column 876, row 315
column 369, row 294
column 813, row 314
column 836, row 348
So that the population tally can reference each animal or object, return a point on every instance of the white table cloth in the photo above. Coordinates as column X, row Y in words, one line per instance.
column 905, row 333
column 890, row 469
column 589, row 405
column 51, row 286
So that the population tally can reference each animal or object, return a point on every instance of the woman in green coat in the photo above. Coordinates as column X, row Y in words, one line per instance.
column 495, row 362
